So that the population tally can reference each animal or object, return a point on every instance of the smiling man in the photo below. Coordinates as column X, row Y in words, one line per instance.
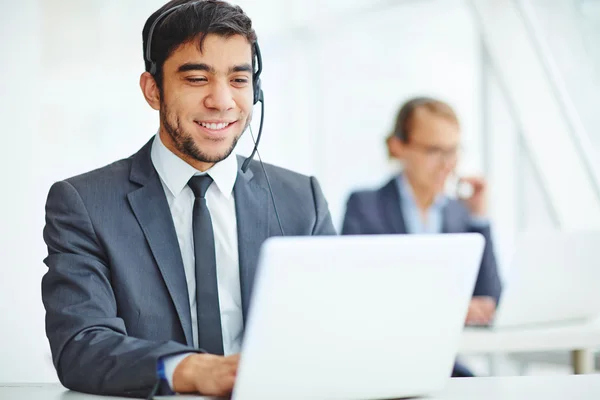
column 151, row 259
column 199, row 128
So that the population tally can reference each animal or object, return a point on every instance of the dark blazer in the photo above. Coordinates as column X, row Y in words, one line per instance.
column 375, row 212
column 115, row 291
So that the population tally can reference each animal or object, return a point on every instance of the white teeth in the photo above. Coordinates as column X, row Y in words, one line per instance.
column 215, row 127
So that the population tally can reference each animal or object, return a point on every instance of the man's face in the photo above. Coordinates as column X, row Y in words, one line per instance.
column 431, row 153
column 207, row 98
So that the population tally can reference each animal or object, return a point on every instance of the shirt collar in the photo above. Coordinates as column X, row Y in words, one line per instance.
column 407, row 194
column 176, row 173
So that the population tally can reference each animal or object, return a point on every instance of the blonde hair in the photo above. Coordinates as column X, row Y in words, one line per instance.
column 406, row 116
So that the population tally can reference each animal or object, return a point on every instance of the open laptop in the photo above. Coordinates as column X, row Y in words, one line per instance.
column 356, row 317
column 555, row 279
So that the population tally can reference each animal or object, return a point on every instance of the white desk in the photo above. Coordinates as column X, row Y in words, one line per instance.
column 581, row 339
column 571, row 387
column 567, row 387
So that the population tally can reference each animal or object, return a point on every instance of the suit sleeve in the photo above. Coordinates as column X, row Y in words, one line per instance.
column 323, row 224
column 488, row 282
column 91, row 350
column 353, row 219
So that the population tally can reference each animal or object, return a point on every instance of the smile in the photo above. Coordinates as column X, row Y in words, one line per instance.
column 215, row 126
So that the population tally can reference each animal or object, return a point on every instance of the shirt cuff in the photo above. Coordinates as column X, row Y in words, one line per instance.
column 478, row 222
column 167, row 366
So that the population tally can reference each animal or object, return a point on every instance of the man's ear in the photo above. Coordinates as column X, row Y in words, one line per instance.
column 150, row 90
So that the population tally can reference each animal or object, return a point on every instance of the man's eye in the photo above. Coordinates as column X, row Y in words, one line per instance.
column 196, row 80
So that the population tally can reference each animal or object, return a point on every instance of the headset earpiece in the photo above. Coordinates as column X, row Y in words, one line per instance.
column 258, row 94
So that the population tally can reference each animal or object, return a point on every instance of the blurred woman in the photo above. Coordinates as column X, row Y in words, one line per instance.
column 426, row 141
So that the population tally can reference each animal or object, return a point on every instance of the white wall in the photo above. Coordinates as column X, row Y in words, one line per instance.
column 22, row 339
column 70, row 102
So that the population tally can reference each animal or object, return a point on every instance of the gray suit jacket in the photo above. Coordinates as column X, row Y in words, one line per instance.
column 372, row 212
column 115, row 292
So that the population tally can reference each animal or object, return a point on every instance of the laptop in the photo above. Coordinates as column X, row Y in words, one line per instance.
column 555, row 280
column 356, row 317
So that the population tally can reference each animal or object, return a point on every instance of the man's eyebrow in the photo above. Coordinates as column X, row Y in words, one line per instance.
column 241, row 68
column 196, row 67
column 207, row 68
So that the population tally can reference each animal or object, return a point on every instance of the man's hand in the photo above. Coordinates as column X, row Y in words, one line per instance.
column 206, row 374
column 477, row 202
column 481, row 310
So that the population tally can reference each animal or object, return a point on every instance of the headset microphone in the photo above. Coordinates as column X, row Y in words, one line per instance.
column 258, row 97
column 260, row 128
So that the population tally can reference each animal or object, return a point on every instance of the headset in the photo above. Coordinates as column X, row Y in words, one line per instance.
column 256, row 84
column 258, row 96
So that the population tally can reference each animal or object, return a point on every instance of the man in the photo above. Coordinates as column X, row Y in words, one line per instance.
column 151, row 259
column 426, row 141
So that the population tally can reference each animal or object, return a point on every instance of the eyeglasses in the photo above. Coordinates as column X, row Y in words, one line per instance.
column 437, row 153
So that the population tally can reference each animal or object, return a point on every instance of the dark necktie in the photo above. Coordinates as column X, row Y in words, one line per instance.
column 210, row 337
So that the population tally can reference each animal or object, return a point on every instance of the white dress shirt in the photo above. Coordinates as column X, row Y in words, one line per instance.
column 174, row 174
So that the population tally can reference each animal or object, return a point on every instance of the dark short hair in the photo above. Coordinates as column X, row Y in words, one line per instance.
column 193, row 21
column 406, row 114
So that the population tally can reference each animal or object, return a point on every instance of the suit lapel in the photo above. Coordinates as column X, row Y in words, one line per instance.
column 252, row 209
column 150, row 206
column 390, row 205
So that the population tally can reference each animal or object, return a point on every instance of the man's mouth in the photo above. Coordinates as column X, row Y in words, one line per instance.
column 215, row 126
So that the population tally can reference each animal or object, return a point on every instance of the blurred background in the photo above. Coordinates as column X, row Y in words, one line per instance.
column 523, row 75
